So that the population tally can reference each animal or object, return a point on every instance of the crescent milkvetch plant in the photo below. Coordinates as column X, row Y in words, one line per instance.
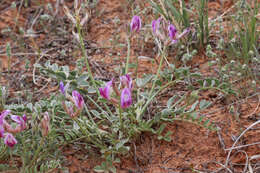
column 112, row 115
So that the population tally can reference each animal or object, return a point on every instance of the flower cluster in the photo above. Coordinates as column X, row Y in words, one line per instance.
column 76, row 98
column 7, row 130
column 162, row 30
column 126, row 92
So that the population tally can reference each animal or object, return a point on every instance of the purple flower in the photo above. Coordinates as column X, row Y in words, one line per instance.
column 172, row 33
column 156, row 25
column 5, row 113
column 78, row 99
column 10, row 140
column 2, row 117
column 126, row 98
column 126, row 81
column 136, row 24
column 62, row 88
column 20, row 120
column 24, row 117
column 105, row 92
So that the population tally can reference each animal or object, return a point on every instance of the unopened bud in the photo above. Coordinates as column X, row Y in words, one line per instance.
column 232, row 62
column 45, row 124
column 255, row 60
column 194, row 52
column 251, row 53
column 244, row 66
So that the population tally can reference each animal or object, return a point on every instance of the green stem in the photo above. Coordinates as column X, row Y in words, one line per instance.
column 23, row 153
column 3, row 151
column 82, row 46
column 207, row 88
column 128, row 54
column 9, row 65
column 121, row 118
column 152, row 97
column 100, row 108
column 86, row 133
column 158, row 71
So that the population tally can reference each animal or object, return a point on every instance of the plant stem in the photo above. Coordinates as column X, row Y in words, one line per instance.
column 152, row 97
column 128, row 54
column 3, row 151
column 158, row 72
column 86, row 133
column 37, row 152
column 214, row 88
column 8, row 52
column 121, row 118
column 82, row 46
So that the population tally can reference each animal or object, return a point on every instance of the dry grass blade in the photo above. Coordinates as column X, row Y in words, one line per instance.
column 229, row 153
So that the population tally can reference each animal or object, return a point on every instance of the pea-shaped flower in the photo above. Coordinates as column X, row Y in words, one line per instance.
column 126, row 81
column 136, row 24
column 172, row 33
column 156, row 25
column 9, row 140
column 106, row 91
column 78, row 99
column 62, row 88
column 45, row 124
column 126, row 98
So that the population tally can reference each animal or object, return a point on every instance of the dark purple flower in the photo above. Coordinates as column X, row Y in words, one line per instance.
column 126, row 81
column 24, row 117
column 78, row 99
column 172, row 33
column 136, row 24
column 126, row 98
column 62, row 88
column 105, row 92
column 10, row 140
